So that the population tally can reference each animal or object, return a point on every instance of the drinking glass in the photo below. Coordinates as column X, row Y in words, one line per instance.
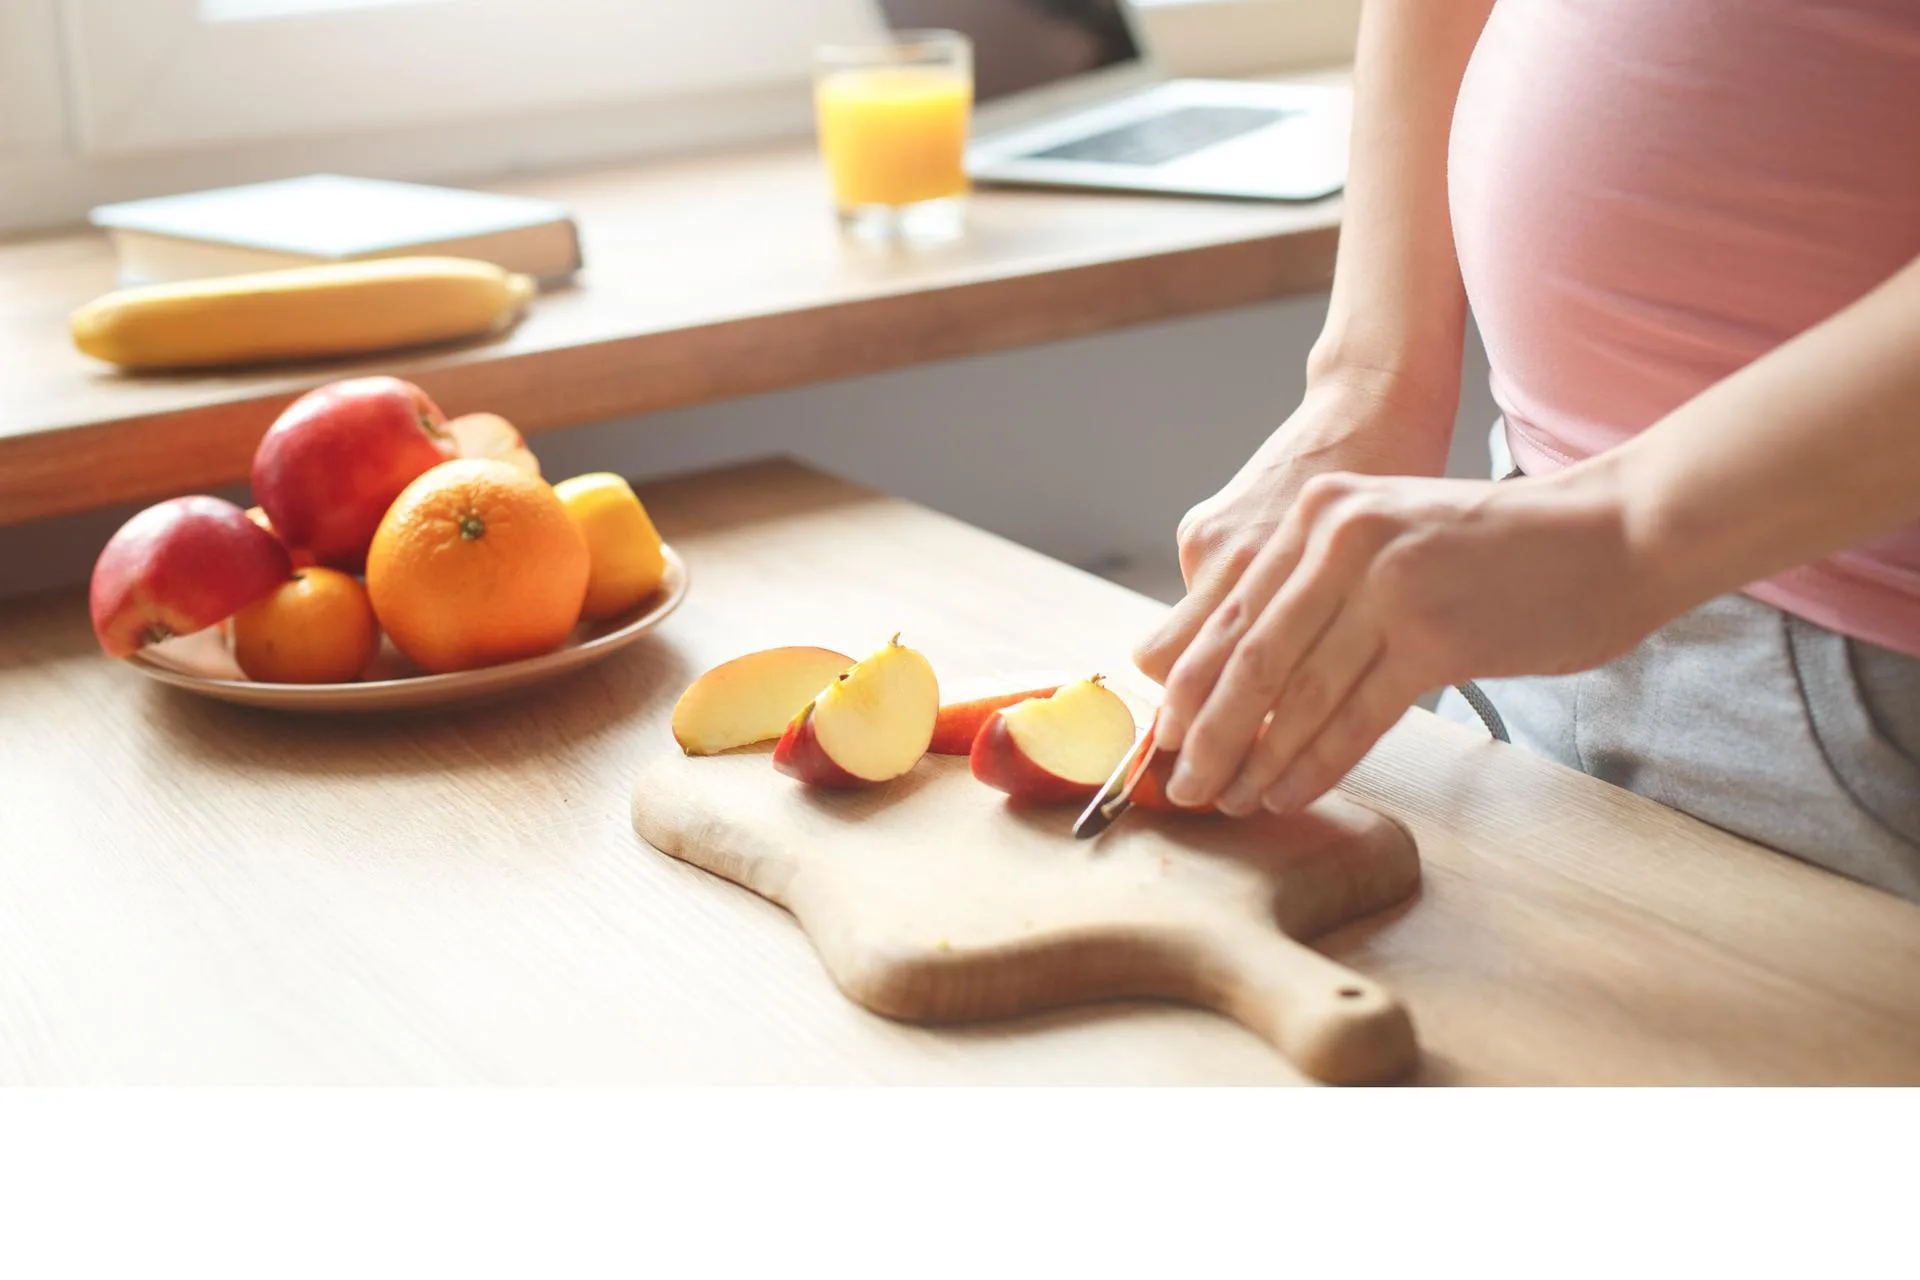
column 892, row 114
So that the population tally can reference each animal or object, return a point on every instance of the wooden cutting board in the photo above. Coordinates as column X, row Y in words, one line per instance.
column 933, row 900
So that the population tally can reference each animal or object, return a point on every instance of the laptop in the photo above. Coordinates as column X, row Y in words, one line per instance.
column 1067, row 95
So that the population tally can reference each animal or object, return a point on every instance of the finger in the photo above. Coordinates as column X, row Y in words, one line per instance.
column 1157, row 656
column 1261, row 664
column 1319, row 687
column 1213, row 641
column 1377, row 704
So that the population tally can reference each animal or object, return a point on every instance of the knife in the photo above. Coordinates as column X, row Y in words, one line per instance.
column 1116, row 797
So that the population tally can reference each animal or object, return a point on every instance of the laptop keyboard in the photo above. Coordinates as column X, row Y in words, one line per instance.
column 1158, row 139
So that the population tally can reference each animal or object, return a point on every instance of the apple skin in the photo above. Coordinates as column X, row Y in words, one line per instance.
column 799, row 755
column 960, row 723
column 329, row 467
column 998, row 761
column 1150, row 789
column 178, row 567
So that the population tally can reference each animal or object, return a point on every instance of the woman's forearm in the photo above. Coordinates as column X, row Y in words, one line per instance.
column 1397, row 317
column 1811, row 449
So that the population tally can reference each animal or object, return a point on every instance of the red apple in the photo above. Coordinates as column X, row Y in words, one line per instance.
column 871, row 725
column 752, row 698
column 1055, row 750
column 329, row 467
column 967, row 710
column 179, row 567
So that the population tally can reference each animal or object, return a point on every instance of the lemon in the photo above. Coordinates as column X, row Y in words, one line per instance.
column 626, row 558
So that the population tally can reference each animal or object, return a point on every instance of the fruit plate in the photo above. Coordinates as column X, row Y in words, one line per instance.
column 201, row 663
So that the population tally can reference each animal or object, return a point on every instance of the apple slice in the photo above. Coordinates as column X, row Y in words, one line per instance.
column 752, row 698
column 1055, row 750
column 488, row 435
column 869, row 726
column 970, row 707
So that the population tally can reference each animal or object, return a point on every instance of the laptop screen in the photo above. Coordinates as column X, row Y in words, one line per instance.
column 1024, row 44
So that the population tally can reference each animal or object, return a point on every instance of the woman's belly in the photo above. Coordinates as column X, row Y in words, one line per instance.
column 1649, row 194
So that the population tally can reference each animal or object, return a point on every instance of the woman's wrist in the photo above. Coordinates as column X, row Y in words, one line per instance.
column 1370, row 419
column 1392, row 379
column 1645, row 566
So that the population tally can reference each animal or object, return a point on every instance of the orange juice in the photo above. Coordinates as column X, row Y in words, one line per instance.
column 894, row 135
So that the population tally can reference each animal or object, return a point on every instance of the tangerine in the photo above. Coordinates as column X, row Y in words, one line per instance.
column 317, row 627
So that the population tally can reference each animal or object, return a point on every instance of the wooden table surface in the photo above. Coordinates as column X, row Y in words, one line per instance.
column 192, row 892
column 707, row 278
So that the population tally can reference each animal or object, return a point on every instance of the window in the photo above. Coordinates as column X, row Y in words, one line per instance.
column 105, row 100
column 150, row 75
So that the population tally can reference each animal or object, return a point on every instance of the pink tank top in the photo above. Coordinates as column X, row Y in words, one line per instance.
column 1649, row 194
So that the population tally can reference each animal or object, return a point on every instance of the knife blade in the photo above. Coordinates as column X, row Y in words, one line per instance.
column 1116, row 796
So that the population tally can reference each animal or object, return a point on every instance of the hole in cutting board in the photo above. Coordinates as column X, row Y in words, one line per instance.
column 1350, row 993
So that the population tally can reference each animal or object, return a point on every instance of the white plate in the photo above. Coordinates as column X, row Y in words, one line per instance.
column 203, row 664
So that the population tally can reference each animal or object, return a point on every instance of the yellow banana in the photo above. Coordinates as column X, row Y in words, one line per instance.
column 300, row 313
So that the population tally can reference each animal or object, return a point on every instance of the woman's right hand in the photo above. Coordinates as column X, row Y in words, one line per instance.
column 1341, row 425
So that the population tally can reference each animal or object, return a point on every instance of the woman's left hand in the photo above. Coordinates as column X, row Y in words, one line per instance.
column 1375, row 590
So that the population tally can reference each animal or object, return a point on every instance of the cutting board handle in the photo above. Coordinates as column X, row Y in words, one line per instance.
column 1337, row 1026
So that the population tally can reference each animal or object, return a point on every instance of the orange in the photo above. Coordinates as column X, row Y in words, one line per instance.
column 627, row 560
column 315, row 628
column 476, row 563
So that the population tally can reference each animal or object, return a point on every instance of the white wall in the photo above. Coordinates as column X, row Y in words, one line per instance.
column 1087, row 450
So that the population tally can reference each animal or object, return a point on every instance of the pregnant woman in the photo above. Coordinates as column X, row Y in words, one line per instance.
column 1688, row 230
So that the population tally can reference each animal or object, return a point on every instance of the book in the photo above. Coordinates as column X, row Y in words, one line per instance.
column 328, row 217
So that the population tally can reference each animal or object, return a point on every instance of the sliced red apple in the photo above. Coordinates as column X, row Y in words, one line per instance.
column 1055, row 750
column 488, row 435
column 969, row 706
column 752, row 698
column 1150, row 788
column 869, row 726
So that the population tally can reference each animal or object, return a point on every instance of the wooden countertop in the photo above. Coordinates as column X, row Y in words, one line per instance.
column 196, row 893
column 707, row 279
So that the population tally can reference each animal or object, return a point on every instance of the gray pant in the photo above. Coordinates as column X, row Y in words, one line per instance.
column 1750, row 719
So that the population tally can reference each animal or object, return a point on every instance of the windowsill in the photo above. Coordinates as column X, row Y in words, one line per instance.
column 708, row 278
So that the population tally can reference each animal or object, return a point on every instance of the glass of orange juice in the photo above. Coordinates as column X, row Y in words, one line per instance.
column 892, row 115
